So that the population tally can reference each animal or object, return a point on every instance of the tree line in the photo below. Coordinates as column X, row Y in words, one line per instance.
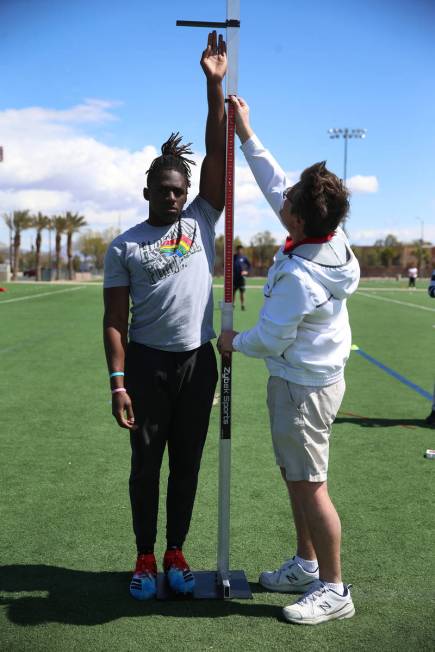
column 391, row 254
column 260, row 252
column 19, row 221
column 388, row 253
column 92, row 245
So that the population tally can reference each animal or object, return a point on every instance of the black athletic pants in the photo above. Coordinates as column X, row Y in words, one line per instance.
column 172, row 396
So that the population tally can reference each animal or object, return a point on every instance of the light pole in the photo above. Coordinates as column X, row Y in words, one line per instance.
column 346, row 134
column 422, row 229
column 50, row 228
column 11, row 239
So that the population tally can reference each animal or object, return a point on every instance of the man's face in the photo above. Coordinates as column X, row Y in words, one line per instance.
column 166, row 195
column 287, row 217
column 290, row 220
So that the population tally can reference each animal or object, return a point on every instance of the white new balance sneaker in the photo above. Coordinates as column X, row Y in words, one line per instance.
column 319, row 605
column 288, row 578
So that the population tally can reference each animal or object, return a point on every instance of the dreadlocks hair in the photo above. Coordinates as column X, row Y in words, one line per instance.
column 321, row 199
column 172, row 158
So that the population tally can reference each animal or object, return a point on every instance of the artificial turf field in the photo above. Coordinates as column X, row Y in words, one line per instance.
column 65, row 534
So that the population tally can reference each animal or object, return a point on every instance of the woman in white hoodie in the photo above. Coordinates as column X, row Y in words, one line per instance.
column 304, row 336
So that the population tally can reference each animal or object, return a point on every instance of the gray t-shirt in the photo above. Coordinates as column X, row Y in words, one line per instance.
column 169, row 273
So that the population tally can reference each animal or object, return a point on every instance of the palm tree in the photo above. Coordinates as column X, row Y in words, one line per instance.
column 74, row 223
column 17, row 222
column 9, row 223
column 39, row 222
column 59, row 224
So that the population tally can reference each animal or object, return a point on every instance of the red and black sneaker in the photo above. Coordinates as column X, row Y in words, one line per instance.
column 143, row 585
column 178, row 573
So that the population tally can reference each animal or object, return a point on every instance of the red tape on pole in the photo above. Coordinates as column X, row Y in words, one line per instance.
column 229, row 207
column 226, row 360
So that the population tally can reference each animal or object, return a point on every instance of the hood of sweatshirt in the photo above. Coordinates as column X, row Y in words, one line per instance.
column 332, row 263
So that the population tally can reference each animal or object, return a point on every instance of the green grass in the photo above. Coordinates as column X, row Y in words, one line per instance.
column 65, row 537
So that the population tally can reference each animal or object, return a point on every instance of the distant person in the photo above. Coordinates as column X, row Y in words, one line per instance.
column 430, row 420
column 412, row 276
column 303, row 334
column 241, row 267
column 164, row 267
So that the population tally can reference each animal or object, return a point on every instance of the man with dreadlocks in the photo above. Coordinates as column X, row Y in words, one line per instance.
column 164, row 267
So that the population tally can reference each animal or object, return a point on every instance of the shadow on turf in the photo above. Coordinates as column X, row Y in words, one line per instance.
column 86, row 598
column 369, row 422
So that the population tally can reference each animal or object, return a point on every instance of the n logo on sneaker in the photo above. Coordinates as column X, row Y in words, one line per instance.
column 291, row 576
column 325, row 606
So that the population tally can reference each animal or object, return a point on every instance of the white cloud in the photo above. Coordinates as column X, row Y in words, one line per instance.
column 403, row 234
column 45, row 201
column 90, row 112
column 51, row 164
column 361, row 185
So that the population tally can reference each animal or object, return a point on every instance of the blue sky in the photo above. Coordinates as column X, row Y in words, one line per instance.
column 90, row 90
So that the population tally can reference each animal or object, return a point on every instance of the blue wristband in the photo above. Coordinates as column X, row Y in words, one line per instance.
column 116, row 373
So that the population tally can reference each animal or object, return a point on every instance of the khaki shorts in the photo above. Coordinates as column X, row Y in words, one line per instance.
column 300, row 420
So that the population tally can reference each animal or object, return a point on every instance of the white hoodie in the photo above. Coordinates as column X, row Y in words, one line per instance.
column 303, row 331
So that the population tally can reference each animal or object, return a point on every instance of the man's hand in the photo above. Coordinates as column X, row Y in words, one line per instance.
column 214, row 58
column 122, row 410
column 225, row 342
column 212, row 179
column 243, row 126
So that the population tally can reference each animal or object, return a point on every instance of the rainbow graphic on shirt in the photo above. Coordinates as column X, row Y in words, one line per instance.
column 176, row 247
column 162, row 258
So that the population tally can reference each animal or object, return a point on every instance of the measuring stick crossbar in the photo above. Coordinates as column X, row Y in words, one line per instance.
column 202, row 23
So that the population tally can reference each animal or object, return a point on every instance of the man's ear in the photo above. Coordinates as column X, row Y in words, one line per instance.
column 146, row 194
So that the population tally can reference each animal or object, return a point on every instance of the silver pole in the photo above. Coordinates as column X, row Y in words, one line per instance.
column 224, row 491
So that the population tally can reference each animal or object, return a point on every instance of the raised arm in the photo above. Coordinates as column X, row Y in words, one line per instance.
column 212, row 180
column 268, row 174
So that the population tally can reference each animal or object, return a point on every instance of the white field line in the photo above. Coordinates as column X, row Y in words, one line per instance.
column 215, row 285
column 393, row 290
column 401, row 303
column 260, row 287
column 41, row 294
column 55, row 283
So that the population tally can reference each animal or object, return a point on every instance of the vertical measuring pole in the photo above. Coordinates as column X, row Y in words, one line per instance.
column 226, row 583
column 223, row 550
